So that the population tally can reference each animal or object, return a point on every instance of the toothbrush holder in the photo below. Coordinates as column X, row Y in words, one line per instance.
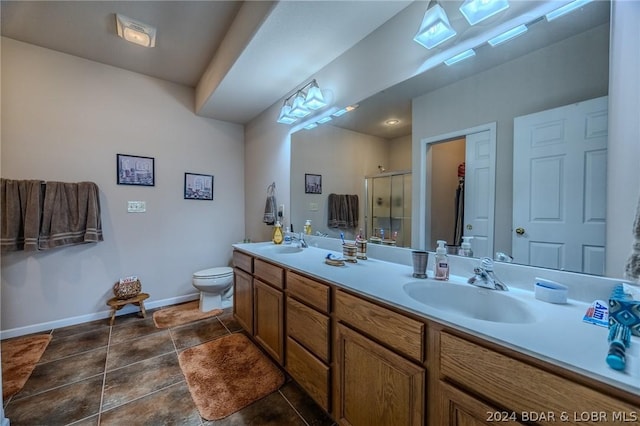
column 419, row 259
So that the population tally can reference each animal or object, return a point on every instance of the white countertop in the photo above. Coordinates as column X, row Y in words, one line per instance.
column 559, row 336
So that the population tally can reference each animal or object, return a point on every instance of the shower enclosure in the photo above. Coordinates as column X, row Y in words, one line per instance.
column 388, row 211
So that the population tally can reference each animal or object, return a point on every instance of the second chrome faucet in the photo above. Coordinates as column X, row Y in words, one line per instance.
column 485, row 277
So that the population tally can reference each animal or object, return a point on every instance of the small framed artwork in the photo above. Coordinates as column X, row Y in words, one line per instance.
column 198, row 187
column 135, row 170
column 312, row 184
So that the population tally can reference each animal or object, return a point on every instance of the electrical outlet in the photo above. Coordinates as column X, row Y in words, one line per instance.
column 136, row 206
column 313, row 207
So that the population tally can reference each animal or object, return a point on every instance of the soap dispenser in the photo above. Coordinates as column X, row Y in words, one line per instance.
column 278, row 237
column 307, row 227
column 465, row 247
column 442, row 262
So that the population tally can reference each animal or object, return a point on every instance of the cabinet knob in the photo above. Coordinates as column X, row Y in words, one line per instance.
column 520, row 231
column 469, row 227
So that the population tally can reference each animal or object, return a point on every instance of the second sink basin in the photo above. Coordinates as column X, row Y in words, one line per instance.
column 470, row 301
column 282, row 249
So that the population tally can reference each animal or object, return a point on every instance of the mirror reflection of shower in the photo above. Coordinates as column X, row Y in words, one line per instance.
column 388, row 209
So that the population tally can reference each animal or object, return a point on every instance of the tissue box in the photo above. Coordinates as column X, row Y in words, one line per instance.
column 623, row 309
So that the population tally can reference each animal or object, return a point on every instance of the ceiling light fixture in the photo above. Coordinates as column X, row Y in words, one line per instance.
column 392, row 122
column 561, row 11
column 300, row 103
column 135, row 31
column 508, row 35
column 345, row 110
column 460, row 57
column 478, row 10
column 435, row 28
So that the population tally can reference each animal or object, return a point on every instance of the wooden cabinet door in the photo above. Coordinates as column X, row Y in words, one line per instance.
column 269, row 314
column 374, row 386
column 459, row 409
column 243, row 299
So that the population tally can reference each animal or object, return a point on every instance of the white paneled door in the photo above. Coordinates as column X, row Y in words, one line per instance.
column 479, row 200
column 559, row 187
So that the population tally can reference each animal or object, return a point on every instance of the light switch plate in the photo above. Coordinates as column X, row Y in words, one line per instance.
column 313, row 207
column 136, row 206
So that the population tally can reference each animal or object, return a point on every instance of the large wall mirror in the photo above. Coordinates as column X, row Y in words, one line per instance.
column 554, row 64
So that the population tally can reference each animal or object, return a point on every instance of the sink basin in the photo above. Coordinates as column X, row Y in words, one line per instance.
column 282, row 249
column 470, row 301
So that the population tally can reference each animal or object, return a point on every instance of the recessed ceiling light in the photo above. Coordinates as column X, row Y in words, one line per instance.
column 392, row 122
column 135, row 31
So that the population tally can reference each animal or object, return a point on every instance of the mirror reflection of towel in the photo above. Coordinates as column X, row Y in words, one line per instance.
column 270, row 210
column 632, row 268
column 343, row 211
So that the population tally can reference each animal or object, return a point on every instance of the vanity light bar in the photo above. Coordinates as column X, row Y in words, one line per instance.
column 561, row 11
column 508, row 35
column 476, row 11
column 460, row 57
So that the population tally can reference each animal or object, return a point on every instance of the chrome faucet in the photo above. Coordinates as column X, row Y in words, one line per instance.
column 485, row 277
column 300, row 239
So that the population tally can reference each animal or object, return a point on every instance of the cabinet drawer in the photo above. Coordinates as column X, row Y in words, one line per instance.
column 518, row 386
column 243, row 261
column 401, row 333
column 309, row 291
column 309, row 327
column 269, row 273
column 309, row 372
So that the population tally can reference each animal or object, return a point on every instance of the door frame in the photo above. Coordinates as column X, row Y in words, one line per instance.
column 421, row 234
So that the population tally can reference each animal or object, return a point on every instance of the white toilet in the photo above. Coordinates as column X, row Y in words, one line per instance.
column 216, row 287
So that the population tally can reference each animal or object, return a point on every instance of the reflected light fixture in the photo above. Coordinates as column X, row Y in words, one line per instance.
column 135, row 31
column 561, row 11
column 301, row 103
column 345, row 110
column 478, row 10
column 435, row 28
column 460, row 57
column 507, row 35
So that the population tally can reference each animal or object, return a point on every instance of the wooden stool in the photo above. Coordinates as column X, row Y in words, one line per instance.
column 117, row 304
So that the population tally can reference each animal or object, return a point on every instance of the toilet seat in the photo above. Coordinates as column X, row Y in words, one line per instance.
column 219, row 272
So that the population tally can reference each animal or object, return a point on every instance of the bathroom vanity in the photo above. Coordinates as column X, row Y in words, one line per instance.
column 370, row 346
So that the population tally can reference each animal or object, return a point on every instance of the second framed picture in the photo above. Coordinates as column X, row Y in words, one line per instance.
column 198, row 186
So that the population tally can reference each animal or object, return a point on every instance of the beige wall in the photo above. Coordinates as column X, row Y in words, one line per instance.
column 65, row 118
column 400, row 153
column 446, row 157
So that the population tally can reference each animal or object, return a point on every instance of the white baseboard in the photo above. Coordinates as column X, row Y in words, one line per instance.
column 127, row 309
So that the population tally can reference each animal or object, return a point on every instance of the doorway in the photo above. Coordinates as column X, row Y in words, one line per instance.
column 479, row 194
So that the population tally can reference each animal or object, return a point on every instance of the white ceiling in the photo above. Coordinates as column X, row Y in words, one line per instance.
column 242, row 57
column 293, row 40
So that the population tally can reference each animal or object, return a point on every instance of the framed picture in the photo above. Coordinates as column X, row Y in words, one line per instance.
column 198, row 187
column 135, row 170
column 312, row 184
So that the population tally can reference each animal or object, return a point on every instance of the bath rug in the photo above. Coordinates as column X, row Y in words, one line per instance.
column 181, row 314
column 19, row 358
column 228, row 374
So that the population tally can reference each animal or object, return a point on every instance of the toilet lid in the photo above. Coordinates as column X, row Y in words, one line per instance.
column 222, row 271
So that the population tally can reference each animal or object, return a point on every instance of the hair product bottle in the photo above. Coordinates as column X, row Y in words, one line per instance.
column 278, row 236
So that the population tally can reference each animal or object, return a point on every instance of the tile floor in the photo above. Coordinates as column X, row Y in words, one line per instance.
column 128, row 374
